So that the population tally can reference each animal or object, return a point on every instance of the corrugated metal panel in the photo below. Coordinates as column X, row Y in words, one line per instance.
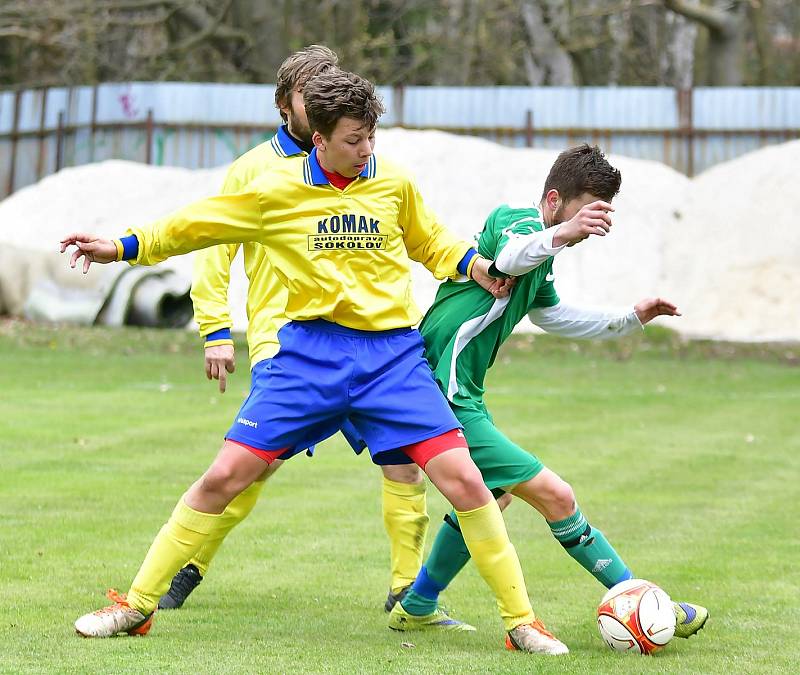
column 746, row 107
column 6, row 111
column 716, row 148
column 225, row 120
column 556, row 107
column 57, row 101
column 178, row 102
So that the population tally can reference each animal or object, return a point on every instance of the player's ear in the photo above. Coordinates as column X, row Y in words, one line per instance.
column 318, row 140
column 553, row 199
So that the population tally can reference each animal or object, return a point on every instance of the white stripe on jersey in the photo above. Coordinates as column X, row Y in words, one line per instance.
column 467, row 331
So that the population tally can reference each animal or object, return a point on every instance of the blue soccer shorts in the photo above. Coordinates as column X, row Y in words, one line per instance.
column 325, row 374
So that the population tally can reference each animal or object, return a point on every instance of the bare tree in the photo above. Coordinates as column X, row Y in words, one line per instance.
column 86, row 41
column 456, row 42
column 724, row 22
column 546, row 61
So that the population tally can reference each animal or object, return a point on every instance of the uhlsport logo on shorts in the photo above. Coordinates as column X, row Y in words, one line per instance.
column 247, row 422
column 347, row 232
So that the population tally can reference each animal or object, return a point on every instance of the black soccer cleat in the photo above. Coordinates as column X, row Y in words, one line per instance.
column 183, row 583
column 393, row 598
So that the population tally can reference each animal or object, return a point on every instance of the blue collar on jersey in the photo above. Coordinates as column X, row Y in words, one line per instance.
column 314, row 175
column 284, row 145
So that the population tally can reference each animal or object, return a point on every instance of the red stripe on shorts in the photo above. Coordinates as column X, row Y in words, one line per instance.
column 268, row 456
column 424, row 451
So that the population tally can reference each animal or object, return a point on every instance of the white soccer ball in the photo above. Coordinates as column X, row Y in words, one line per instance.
column 636, row 616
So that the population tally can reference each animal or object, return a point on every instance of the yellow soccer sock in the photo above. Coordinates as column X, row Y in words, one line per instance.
column 496, row 559
column 234, row 514
column 177, row 541
column 406, row 520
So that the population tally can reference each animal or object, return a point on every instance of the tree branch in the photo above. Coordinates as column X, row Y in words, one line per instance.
column 24, row 34
column 67, row 8
column 714, row 19
column 210, row 26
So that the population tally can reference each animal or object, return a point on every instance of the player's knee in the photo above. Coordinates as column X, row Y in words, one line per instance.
column 467, row 489
column 223, row 480
column 560, row 500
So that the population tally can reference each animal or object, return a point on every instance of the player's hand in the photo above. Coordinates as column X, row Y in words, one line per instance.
column 499, row 288
column 650, row 308
column 219, row 362
column 591, row 219
column 89, row 247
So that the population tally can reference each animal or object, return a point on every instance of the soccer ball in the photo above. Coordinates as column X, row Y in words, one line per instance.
column 636, row 616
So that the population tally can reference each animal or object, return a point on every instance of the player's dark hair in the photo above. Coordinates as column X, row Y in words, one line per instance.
column 583, row 169
column 299, row 68
column 330, row 96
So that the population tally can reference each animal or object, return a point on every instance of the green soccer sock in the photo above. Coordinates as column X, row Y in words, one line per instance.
column 590, row 548
column 448, row 556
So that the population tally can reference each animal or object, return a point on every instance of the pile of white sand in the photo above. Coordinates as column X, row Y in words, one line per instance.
column 464, row 178
column 721, row 246
column 733, row 259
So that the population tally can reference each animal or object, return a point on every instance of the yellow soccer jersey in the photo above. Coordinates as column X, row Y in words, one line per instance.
column 343, row 255
column 266, row 296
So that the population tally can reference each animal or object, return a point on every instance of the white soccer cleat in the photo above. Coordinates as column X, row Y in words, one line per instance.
column 534, row 638
column 117, row 618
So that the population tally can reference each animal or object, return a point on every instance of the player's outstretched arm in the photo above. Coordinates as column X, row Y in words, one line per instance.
column 226, row 219
column 649, row 308
column 91, row 248
column 573, row 321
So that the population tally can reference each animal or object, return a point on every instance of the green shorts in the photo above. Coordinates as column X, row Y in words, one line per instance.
column 501, row 461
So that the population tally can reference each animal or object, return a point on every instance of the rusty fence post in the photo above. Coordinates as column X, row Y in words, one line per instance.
column 398, row 104
column 149, row 133
column 686, row 126
column 690, row 128
column 60, row 141
column 529, row 128
column 12, row 169
column 40, row 148
column 93, row 124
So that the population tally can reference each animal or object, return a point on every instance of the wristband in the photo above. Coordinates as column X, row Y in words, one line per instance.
column 217, row 343
column 218, row 335
column 471, row 264
column 496, row 273
column 130, row 247
column 465, row 264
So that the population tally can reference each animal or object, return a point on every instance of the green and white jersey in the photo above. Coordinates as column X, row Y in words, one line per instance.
column 465, row 326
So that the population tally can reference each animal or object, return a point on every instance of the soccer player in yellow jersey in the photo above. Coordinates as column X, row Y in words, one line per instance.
column 404, row 510
column 340, row 228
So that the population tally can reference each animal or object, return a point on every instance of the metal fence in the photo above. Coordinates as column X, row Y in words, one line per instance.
column 203, row 125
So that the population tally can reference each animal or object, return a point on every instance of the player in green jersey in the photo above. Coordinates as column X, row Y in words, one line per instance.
column 465, row 328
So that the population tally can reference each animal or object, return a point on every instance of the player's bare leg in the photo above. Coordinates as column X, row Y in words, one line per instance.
column 459, row 480
column 190, row 575
column 554, row 498
column 195, row 517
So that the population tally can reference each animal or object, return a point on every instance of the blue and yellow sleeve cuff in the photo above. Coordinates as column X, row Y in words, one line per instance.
column 467, row 262
column 127, row 247
column 219, row 337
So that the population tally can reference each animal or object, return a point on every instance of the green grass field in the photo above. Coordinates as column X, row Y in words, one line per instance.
column 685, row 455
